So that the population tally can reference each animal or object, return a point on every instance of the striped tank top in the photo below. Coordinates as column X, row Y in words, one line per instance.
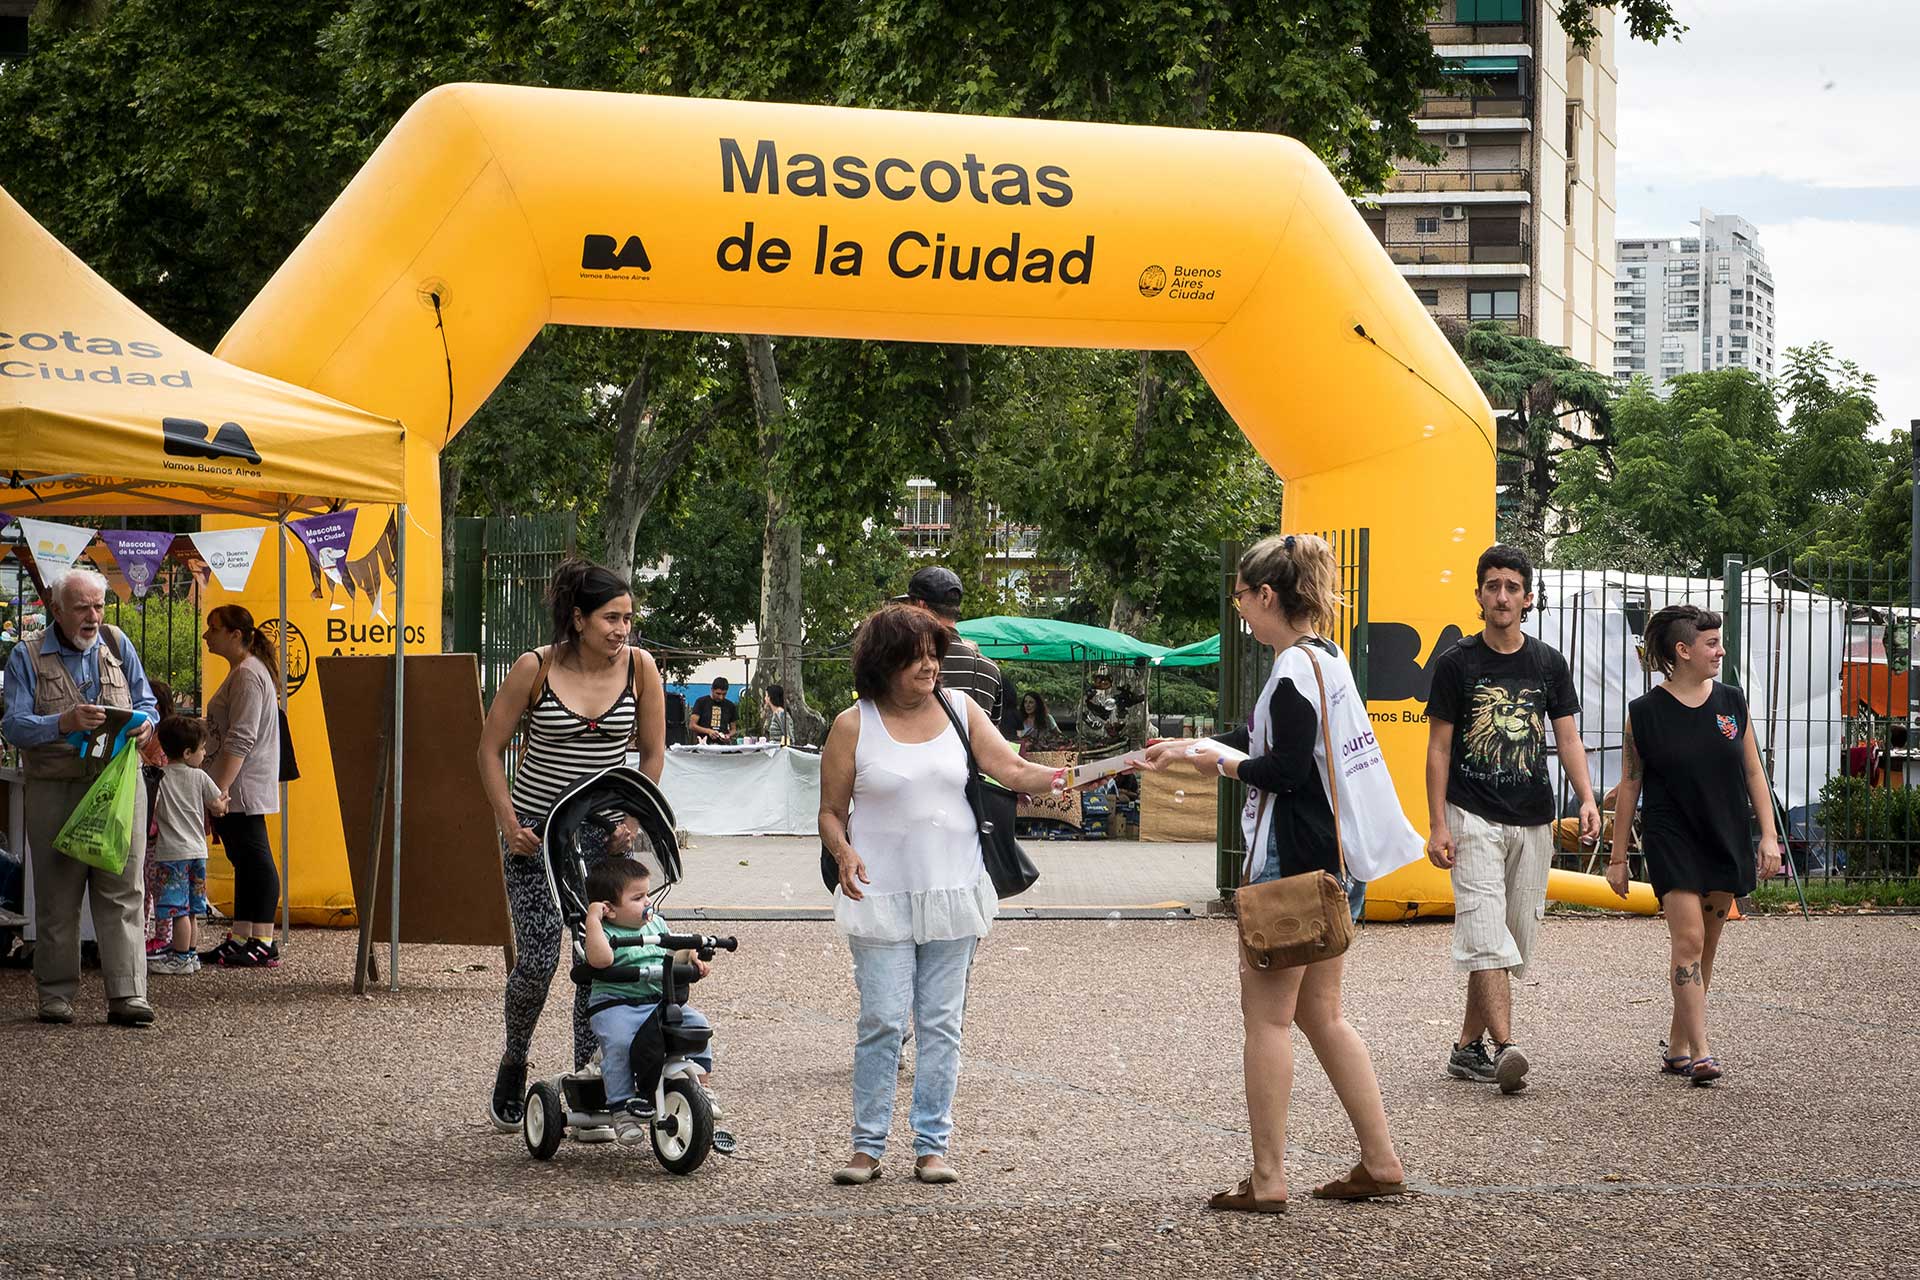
column 562, row 747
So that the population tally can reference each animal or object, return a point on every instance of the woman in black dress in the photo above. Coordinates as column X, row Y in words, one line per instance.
column 1690, row 745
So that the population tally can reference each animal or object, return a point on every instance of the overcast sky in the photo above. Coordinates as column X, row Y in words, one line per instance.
column 1802, row 116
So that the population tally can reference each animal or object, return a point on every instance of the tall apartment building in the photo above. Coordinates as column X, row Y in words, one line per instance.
column 1516, row 223
column 1685, row 306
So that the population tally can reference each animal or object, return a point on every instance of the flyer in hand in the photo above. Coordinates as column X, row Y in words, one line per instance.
column 105, row 741
column 1088, row 772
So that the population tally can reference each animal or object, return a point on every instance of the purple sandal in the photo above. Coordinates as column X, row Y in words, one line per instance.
column 1706, row 1070
column 1674, row 1066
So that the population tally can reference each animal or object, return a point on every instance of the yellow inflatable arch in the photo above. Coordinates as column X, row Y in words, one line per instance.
column 491, row 211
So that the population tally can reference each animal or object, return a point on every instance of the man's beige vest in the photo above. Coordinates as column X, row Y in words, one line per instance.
column 54, row 692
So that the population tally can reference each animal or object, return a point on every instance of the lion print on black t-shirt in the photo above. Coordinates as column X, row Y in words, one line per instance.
column 1505, row 732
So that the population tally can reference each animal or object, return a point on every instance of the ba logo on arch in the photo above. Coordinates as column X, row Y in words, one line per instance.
column 604, row 255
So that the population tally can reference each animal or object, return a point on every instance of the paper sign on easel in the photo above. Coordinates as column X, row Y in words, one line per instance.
column 54, row 546
column 230, row 553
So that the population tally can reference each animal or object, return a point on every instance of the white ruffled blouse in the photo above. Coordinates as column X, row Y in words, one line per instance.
column 913, row 828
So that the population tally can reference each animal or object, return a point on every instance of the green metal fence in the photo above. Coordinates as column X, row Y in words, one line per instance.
column 501, row 567
column 1823, row 648
column 1820, row 650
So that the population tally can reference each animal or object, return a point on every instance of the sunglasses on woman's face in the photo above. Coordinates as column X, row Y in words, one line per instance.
column 1241, row 591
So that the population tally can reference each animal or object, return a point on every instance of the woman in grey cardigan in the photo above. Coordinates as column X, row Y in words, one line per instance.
column 244, row 759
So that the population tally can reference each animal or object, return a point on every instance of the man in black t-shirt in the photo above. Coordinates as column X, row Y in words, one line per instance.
column 713, row 715
column 1490, row 807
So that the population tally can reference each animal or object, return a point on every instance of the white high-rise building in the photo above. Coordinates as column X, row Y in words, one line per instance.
column 1700, row 303
column 1516, row 224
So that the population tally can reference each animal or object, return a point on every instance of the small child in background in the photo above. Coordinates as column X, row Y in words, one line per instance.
column 152, row 762
column 186, row 796
column 621, row 930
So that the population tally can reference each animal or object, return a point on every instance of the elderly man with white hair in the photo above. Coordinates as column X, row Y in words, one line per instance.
column 61, row 685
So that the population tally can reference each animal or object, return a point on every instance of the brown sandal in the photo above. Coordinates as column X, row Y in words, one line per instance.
column 1358, row 1185
column 1242, row 1200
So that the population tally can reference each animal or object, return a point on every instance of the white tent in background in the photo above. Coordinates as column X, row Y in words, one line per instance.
column 1791, row 645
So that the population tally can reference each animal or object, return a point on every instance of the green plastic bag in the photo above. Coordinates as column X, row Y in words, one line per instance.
column 99, row 831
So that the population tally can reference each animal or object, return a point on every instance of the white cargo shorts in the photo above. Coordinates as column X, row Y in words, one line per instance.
column 1499, row 891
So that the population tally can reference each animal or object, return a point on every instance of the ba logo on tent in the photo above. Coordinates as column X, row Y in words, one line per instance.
column 187, row 438
column 597, row 253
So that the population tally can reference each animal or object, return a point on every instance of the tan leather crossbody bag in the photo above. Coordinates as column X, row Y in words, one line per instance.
column 1303, row 919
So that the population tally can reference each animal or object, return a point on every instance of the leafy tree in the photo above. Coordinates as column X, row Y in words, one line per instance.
column 181, row 151
column 1649, row 20
column 1691, row 478
column 1829, row 461
column 1139, row 511
column 1548, row 402
column 707, row 523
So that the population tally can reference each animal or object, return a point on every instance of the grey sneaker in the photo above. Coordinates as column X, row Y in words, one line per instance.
column 1510, row 1068
column 595, row 1133
column 56, row 1009
column 176, row 963
column 1470, row 1062
column 628, row 1130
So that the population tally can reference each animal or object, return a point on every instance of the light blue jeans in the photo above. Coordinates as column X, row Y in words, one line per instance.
column 926, row 982
column 615, row 1027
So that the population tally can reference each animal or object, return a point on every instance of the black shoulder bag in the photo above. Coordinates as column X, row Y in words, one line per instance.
column 1008, row 865
column 994, row 807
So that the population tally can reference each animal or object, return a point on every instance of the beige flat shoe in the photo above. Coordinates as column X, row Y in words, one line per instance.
column 856, row 1175
column 938, row 1175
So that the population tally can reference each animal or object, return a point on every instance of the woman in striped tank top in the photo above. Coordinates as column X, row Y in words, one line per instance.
column 581, row 699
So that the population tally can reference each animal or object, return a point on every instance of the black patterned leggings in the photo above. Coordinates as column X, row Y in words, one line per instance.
column 537, row 936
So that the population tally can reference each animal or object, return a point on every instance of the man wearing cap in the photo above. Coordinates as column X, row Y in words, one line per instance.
column 939, row 590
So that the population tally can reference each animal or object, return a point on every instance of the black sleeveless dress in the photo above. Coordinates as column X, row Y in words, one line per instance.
column 1694, row 804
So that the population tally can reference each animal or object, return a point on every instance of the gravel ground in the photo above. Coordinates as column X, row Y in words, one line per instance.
column 272, row 1123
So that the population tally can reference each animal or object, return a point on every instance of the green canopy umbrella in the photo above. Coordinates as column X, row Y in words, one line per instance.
column 1048, row 640
column 1201, row 653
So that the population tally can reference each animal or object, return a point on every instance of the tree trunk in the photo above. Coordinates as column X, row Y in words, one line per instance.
column 645, row 455
column 1127, row 612
column 449, row 505
column 1541, row 484
column 781, row 555
column 962, row 442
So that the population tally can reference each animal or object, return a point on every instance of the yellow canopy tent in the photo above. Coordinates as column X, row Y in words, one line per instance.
column 103, row 412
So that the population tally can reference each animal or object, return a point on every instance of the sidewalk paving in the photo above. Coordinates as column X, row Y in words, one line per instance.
column 759, row 876
column 1101, row 1101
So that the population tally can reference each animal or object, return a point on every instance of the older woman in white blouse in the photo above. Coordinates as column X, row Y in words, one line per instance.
column 914, row 897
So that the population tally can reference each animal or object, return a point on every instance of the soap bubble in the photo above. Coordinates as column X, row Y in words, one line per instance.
column 1459, row 535
column 1179, row 797
column 1113, row 919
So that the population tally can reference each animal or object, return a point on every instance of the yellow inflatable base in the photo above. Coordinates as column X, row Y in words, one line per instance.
column 1421, row 889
